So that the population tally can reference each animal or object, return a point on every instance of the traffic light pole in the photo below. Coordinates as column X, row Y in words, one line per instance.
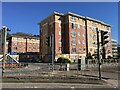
column 98, row 53
column 52, row 50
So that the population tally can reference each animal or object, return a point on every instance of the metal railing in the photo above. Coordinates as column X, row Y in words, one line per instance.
column 46, row 72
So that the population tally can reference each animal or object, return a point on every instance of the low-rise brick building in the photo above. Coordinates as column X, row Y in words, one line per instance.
column 23, row 44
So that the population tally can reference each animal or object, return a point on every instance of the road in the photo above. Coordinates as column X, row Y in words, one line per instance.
column 44, row 70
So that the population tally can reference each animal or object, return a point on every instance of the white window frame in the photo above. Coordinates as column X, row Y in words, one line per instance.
column 79, row 42
column 74, row 41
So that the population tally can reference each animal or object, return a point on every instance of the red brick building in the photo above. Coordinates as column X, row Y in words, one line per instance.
column 74, row 36
column 23, row 44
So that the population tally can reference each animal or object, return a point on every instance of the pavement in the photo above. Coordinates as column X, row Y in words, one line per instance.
column 53, row 85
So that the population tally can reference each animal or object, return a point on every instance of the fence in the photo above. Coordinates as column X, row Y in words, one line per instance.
column 46, row 72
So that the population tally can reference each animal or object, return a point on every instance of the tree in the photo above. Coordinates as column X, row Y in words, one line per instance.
column 109, row 57
column 63, row 60
column 22, row 34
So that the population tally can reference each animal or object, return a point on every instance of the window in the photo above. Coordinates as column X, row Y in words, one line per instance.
column 74, row 58
column 73, row 42
column 59, row 24
column 95, row 24
column 15, row 48
column 60, row 40
column 74, row 34
column 83, row 34
column 108, row 52
column 73, row 18
column 34, row 47
column 90, row 28
column 78, row 25
column 78, row 33
column 60, row 48
column 90, row 35
column 95, row 36
column 78, row 19
column 91, row 42
column 73, row 26
column 78, row 41
column 83, row 21
column 83, row 41
column 73, row 49
column 59, row 32
column 94, row 28
column 88, row 21
column 108, row 45
column 59, row 18
column 80, row 49
column 90, row 49
column 83, row 27
column 95, row 50
column 84, row 49
column 99, row 25
column 15, row 38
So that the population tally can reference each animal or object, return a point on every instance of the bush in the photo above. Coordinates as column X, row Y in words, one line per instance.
column 109, row 57
column 63, row 60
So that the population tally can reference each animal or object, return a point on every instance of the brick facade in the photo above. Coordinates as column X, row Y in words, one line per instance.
column 23, row 44
column 73, row 36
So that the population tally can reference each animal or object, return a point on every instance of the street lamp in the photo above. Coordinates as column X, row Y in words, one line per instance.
column 98, row 51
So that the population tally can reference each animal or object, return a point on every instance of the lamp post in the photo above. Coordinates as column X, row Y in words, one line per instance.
column 98, row 52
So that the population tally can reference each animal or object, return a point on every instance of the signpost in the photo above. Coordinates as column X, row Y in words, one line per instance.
column 3, row 34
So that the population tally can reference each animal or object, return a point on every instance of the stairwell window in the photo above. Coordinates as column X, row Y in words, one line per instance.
column 73, row 26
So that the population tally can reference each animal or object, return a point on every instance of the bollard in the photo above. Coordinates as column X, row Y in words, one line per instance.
column 79, row 64
column 67, row 66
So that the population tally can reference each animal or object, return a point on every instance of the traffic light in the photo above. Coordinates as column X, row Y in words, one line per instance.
column 104, row 37
column 48, row 41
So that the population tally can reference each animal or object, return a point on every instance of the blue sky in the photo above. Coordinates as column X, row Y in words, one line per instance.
column 23, row 17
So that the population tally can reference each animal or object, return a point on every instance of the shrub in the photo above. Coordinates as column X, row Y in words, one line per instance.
column 63, row 60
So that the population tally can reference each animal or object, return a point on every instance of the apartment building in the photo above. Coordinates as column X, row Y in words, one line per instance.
column 71, row 35
column 114, row 48
column 23, row 44
column 91, row 37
